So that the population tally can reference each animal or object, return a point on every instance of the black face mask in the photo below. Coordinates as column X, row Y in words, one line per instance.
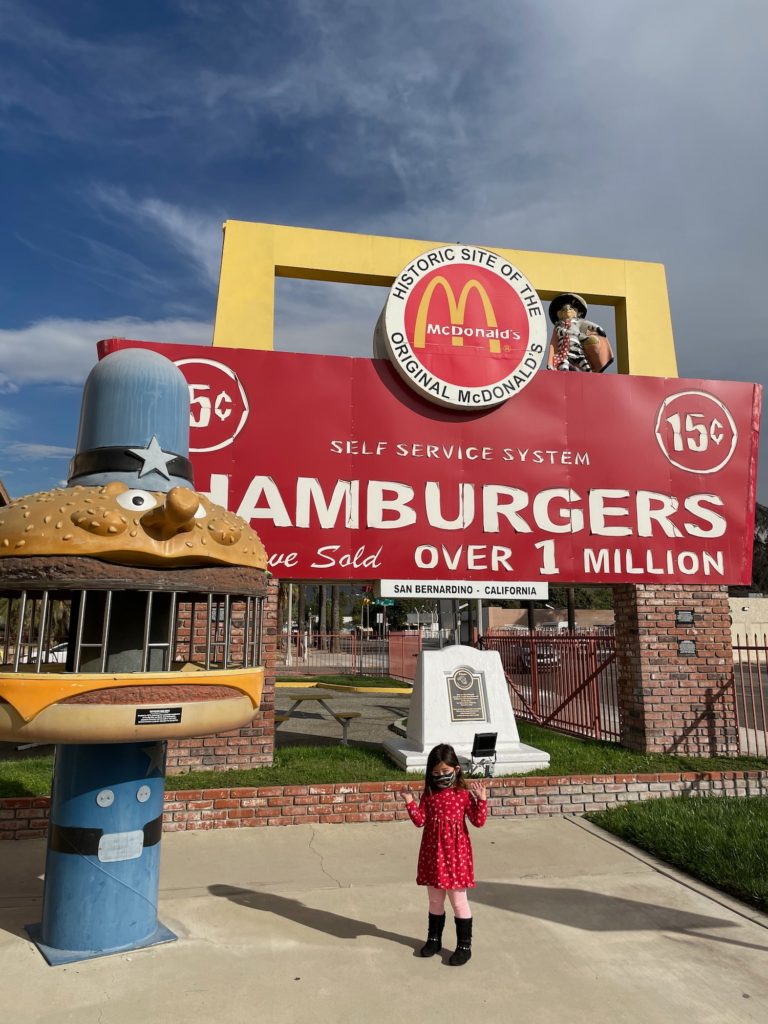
column 443, row 781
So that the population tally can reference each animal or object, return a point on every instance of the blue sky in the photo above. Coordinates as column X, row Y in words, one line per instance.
column 130, row 131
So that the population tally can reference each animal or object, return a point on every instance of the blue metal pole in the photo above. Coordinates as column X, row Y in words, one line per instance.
column 103, row 860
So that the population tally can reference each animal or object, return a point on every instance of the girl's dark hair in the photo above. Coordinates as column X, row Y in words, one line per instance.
column 445, row 754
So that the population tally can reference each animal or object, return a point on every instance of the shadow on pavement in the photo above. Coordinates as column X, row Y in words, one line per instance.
column 595, row 911
column 321, row 920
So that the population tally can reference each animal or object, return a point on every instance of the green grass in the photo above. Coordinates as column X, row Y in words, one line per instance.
column 302, row 764
column 723, row 842
column 571, row 756
column 30, row 776
column 366, row 681
column 297, row 766
column 293, row 766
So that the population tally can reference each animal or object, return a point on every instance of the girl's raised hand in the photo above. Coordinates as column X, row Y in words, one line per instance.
column 407, row 796
column 478, row 790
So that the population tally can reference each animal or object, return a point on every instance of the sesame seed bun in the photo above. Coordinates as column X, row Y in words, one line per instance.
column 128, row 526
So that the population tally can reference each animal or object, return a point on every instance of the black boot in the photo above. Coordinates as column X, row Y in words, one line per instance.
column 463, row 951
column 434, row 941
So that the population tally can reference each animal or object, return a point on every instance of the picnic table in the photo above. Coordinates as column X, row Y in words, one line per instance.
column 320, row 700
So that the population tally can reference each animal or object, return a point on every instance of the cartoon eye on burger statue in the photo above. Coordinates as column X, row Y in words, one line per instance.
column 576, row 343
column 132, row 614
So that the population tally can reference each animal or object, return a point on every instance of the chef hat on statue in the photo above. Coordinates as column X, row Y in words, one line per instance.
column 567, row 299
column 134, row 424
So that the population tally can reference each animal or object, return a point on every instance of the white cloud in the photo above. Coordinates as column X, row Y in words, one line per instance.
column 27, row 451
column 194, row 235
column 625, row 130
column 551, row 127
column 62, row 351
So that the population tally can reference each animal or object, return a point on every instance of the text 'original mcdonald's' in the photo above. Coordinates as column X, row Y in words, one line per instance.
column 463, row 327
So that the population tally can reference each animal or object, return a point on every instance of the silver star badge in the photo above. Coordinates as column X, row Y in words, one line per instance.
column 153, row 458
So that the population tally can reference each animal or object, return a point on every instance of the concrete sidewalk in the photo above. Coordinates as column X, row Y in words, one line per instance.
column 322, row 923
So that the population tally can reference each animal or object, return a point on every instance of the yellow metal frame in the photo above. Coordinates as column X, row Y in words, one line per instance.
column 255, row 254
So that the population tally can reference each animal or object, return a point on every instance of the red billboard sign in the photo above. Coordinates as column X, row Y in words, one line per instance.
column 347, row 473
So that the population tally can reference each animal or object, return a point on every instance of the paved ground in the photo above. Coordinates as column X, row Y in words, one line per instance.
column 313, row 725
column 322, row 923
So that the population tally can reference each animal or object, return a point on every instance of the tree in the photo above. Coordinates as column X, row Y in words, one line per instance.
column 760, row 555
column 301, row 615
column 335, row 615
column 397, row 614
column 583, row 597
column 322, row 610
column 759, row 582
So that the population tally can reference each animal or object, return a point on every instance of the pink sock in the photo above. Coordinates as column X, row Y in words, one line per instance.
column 459, row 902
column 436, row 899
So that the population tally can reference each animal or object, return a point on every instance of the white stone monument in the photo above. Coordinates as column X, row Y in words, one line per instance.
column 458, row 692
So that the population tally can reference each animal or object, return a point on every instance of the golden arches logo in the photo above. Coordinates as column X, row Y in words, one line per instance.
column 456, row 311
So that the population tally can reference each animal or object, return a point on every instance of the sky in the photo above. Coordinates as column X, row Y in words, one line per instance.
column 626, row 129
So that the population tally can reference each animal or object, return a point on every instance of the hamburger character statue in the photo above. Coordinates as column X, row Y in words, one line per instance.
column 576, row 343
column 132, row 614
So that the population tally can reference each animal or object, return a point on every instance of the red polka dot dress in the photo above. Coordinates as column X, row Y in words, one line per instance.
column 445, row 856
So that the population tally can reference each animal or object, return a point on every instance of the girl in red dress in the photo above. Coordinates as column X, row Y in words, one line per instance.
column 445, row 856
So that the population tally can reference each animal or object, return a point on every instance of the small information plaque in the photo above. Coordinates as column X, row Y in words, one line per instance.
column 686, row 648
column 683, row 617
column 157, row 716
column 121, row 846
column 466, row 696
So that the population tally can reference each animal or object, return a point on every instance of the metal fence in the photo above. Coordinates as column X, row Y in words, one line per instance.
column 351, row 654
column 332, row 654
column 565, row 681
column 750, row 683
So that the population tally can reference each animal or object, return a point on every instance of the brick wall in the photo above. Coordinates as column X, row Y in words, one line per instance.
column 250, row 746
column 671, row 702
column 259, row 807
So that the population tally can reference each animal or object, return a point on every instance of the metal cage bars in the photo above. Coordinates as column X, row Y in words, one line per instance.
column 26, row 632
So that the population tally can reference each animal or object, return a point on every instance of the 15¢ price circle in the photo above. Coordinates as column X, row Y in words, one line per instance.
column 218, row 405
column 696, row 432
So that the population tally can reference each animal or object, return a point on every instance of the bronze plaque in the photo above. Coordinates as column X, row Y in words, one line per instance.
column 466, row 696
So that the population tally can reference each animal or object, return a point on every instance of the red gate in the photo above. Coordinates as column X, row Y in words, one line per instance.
column 564, row 681
column 403, row 651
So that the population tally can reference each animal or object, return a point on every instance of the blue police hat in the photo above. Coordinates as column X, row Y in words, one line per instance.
column 134, row 424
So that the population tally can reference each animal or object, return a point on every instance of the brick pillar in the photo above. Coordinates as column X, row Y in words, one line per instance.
column 669, row 701
column 255, row 743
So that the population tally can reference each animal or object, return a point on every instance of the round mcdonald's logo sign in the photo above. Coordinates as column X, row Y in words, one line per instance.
column 463, row 327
